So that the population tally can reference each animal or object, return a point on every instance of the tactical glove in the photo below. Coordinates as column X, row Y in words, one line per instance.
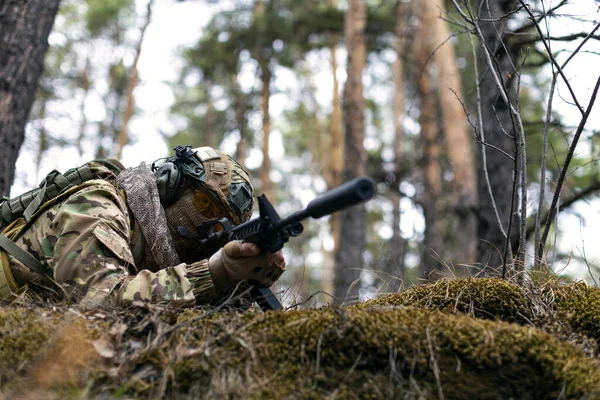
column 238, row 261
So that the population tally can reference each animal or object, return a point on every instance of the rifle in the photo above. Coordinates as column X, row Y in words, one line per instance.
column 270, row 232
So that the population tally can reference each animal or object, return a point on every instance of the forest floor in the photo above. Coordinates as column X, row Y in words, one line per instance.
column 463, row 338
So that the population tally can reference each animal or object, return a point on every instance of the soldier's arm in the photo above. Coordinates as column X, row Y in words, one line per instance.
column 88, row 240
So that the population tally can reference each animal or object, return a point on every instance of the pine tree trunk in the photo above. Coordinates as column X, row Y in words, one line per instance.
column 336, row 144
column 24, row 29
column 209, row 136
column 394, row 268
column 123, row 137
column 498, row 128
column 240, row 119
column 349, row 257
column 433, row 251
column 336, row 161
column 84, row 83
column 263, row 52
column 265, row 170
column 458, row 140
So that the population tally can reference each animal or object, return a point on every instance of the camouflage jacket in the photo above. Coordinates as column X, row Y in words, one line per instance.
column 87, row 242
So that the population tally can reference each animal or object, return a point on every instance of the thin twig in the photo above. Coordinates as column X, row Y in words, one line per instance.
column 554, row 206
column 553, row 60
column 519, row 138
column 482, row 136
column 566, row 203
column 538, row 220
column 522, row 151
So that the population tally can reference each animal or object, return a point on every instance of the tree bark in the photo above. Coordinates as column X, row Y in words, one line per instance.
column 431, row 199
column 394, row 268
column 336, row 144
column 265, row 170
column 132, row 81
column 349, row 257
column 24, row 29
column 263, row 52
column 458, row 140
column 240, row 119
column 336, row 159
column 499, row 132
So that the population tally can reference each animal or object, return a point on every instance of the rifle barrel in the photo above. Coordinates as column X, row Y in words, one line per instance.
column 348, row 194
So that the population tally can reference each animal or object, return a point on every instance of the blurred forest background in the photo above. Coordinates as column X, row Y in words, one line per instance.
column 473, row 117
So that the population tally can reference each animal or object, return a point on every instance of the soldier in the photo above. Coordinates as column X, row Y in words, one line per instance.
column 106, row 235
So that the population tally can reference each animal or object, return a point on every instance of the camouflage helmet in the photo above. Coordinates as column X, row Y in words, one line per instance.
column 223, row 181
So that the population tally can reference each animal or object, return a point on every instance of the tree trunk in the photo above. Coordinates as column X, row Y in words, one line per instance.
column 265, row 171
column 394, row 268
column 209, row 135
column 349, row 257
column 433, row 250
column 336, row 160
column 123, row 137
column 24, row 29
column 84, row 83
column 499, row 132
column 263, row 52
column 458, row 140
column 240, row 119
column 336, row 144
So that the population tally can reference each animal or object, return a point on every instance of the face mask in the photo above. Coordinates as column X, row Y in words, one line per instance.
column 193, row 208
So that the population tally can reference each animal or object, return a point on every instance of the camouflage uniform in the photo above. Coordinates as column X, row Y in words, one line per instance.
column 94, row 250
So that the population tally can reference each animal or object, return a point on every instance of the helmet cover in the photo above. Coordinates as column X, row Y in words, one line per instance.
column 212, row 185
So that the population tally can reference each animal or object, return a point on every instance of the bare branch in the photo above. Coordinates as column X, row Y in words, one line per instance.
column 553, row 207
column 530, row 39
column 519, row 138
column 538, row 219
column 565, row 204
column 553, row 60
column 550, row 12
column 483, row 155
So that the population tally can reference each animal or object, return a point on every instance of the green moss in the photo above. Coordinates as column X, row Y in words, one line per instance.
column 579, row 304
column 378, row 353
column 485, row 298
column 21, row 338
column 365, row 351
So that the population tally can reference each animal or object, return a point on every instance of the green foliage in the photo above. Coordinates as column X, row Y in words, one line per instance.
column 102, row 14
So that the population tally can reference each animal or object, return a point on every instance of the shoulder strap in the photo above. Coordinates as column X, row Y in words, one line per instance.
column 53, row 185
column 24, row 257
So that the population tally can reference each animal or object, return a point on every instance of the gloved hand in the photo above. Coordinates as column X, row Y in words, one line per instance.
column 239, row 260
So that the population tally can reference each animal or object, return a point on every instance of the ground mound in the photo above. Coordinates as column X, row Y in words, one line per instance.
column 577, row 303
column 571, row 312
column 485, row 298
column 355, row 352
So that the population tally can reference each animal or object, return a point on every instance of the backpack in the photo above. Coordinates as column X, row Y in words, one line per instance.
column 18, row 212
